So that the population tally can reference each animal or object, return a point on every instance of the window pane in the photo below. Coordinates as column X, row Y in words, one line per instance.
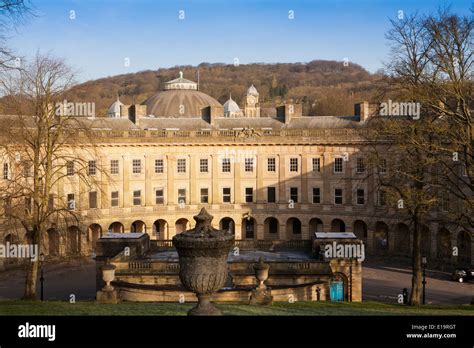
column 137, row 200
column 293, row 164
column 271, row 166
column 360, row 196
column 316, row 165
column 294, row 194
column 203, row 165
column 316, row 195
column 71, row 204
column 271, row 195
column 226, row 195
column 204, row 195
column 181, row 196
column 92, row 168
column 338, row 196
column 338, row 165
column 360, row 168
column 159, row 196
column 114, row 167
column 136, row 166
column 181, row 165
column 248, row 194
column 158, row 166
column 249, row 164
column 92, row 200
column 226, row 165
column 114, row 198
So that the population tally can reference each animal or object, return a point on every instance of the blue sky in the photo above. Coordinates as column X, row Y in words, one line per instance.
column 150, row 34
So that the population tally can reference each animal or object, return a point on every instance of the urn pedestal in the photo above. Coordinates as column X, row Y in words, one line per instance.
column 261, row 294
column 108, row 294
column 203, row 253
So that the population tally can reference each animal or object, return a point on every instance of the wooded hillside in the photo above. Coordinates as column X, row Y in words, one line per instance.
column 324, row 87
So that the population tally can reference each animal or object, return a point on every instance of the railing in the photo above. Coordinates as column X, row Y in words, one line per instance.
column 274, row 245
column 158, row 133
column 229, row 133
column 243, row 244
column 162, row 245
column 139, row 265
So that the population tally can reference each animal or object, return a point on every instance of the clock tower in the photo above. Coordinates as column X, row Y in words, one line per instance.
column 252, row 106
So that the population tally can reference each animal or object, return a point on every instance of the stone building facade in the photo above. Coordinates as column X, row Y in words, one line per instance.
column 267, row 178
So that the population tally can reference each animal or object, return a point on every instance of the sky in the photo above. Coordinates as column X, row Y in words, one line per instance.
column 101, row 38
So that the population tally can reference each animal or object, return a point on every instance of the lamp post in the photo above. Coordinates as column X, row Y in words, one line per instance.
column 424, row 261
column 350, row 282
column 41, row 259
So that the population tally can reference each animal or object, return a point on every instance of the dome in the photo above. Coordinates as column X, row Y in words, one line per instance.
column 179, row 103
column 252, row 90
column 231, row 106
column 114, row 109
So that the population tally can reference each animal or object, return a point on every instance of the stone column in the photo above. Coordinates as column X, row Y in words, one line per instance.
column 194, row 195
column 238, row 229
column 392, row 239
column 304, row 179
column 326, row 170
column 347, row 168
column 171, row 198
column 305, row 232
column 282, row 231
column 260, row 235
column 238, row 189
column 171, row 230
column 370, row 238
column 126, row 194
column 215, row 199
column 149, row 194
column 259, row 188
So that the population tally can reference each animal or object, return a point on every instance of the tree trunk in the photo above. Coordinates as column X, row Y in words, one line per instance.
column 32, row 271
column 417, row 276
column 31, row 280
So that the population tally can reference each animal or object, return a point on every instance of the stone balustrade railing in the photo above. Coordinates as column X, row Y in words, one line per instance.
column 248, row 244
column 223, row 134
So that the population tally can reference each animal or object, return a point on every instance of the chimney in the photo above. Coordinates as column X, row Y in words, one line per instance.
column 136, row 111
column 210, row 113
column 365, row 110
column 289, row 110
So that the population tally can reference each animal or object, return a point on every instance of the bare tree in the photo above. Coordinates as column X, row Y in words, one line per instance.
column 12, row 13
column 428, row 154
column 37, row 143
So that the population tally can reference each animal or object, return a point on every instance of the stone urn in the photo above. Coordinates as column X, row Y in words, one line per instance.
column 203, row 253
column 108, row 275
column 261, row 273
column 261, row 295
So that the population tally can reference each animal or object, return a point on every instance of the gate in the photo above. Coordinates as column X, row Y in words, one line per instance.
column 336, row 291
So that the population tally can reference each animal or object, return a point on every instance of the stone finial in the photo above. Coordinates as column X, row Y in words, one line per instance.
column 203, row 221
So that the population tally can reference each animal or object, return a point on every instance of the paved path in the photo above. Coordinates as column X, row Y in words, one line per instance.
column 383, row 280
column 61, row 280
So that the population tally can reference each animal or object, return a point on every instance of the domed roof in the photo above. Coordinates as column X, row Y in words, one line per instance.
column 231, row 106
column 114, row 109
column 252, row 90
column 179, row 103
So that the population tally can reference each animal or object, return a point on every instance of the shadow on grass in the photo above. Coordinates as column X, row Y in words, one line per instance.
column 54, row 308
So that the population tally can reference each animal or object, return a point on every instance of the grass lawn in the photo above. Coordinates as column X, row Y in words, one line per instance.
column 281, row 308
